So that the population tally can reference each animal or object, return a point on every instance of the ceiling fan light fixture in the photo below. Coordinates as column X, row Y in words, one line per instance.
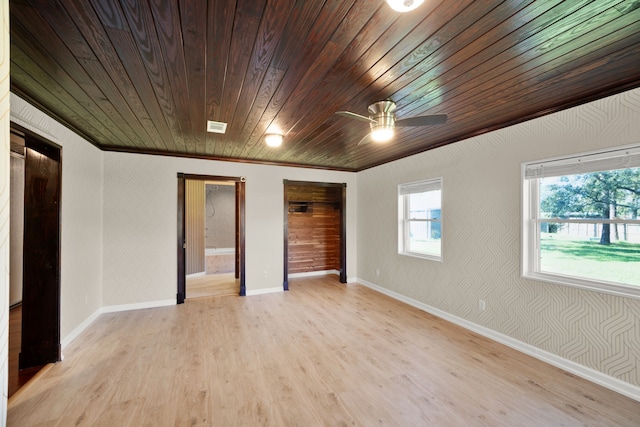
column 273, row 139
column 383, row 120
column 404, row 5
column 381, row 134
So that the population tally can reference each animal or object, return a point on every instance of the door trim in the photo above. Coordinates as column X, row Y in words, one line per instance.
column 240, row 230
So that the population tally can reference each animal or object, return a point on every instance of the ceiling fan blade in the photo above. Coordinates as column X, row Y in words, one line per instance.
column 434, row 119
column 365, row 140
column 351, row 115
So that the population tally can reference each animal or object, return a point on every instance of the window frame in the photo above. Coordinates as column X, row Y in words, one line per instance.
column 404, row 221
column 531, row 220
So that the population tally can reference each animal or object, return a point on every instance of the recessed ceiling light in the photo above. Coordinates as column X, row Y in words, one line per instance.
column 216, row 127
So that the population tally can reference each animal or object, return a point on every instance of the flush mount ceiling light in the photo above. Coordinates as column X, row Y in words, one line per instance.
column 273, row 139
column 404, row 5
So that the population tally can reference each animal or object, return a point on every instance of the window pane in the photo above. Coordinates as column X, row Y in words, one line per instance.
column 424, row 237
column 581, row 220
column 576, row 249
column 599, row 195
column 425, row 205
column 420, row 218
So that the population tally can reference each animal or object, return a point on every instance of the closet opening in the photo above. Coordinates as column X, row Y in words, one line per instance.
column 314, row 229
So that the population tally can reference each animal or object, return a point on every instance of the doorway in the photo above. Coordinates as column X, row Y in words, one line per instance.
column 314, row 229
column 34, row 324
column 210, row 236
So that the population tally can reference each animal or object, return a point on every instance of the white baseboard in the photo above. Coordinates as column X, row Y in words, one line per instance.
column 263, row 291
column 192, row 275
column 79, row 329
column 111, row 309
column 590, row 374
column 322, row 273
column 137, row 306
column 313, row 273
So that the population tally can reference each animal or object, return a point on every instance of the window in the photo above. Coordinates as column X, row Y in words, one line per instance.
column 580, row 221
column 420, row 219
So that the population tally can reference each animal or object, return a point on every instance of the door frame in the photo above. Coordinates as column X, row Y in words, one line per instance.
column 343, row 227
column 41, row 294
column 239, row 231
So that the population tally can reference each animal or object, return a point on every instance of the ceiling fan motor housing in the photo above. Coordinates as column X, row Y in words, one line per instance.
column 383, row 112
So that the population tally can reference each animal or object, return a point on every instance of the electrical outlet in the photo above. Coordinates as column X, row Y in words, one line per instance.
column 377, row 272
column 265, row 274
column 481, row 305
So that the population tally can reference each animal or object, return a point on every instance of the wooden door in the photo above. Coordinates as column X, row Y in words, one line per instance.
column 41, row 268
column 182, row 285
column 240, row 236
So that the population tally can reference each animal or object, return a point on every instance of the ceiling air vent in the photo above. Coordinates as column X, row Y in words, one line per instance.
column 216, row 127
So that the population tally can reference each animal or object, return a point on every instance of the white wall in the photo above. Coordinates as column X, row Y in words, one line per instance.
column 481, row 239
column 81, row 216
column 140, row 222
column 4, row 206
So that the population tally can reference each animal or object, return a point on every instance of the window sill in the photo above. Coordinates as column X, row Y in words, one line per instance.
column 628, row 291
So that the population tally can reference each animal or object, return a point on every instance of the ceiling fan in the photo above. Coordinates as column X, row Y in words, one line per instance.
column 382, row 119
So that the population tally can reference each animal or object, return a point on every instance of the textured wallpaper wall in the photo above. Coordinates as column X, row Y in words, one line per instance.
column 140, row 222
column 81, row 216
column 481, row 238
column 220, row 217
column 4, row 205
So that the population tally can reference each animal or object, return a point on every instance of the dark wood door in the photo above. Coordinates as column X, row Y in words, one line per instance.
column 182, row 291
column 41, row 271
column 240, row 235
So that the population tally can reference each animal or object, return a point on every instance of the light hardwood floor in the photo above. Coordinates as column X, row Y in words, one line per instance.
column 16, row 377
column 321, row 354
column 212, row 285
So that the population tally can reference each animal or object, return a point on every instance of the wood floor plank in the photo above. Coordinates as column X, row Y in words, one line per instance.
column 17, row 378
column 212, row 285
column 323, row 353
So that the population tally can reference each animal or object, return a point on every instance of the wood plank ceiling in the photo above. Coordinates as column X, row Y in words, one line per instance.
column 145, row 76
